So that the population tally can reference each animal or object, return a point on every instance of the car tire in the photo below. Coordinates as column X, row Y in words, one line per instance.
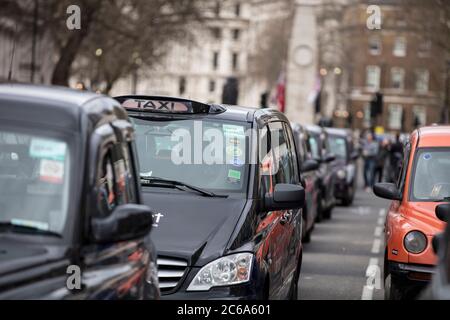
column 293, row 292
column 392, row 289
column 327, row 213
column 349, row 197
column 319, row 216
column 307, row 236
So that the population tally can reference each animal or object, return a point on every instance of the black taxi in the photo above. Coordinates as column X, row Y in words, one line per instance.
column 72, row 225
column 319, row 150
column 226, row 187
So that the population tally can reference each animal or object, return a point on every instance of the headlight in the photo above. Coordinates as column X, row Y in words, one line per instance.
column 415, row 242
column 341, row 174
column 225, row 271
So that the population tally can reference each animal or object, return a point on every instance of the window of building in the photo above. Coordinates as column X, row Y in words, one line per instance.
column 212, row 86
column 424, row 49
column 215, row 60
column 236, row 34
column 398, row 78
column 422, row 80
column 373, row 77
column 367, row 120
column 375, row 45
column 216, row 33
column 182, row 85
column 420, row 116
column 217, row 9
column 237, row 9
column 399, row 47
column 395, row 116
column 235, row 61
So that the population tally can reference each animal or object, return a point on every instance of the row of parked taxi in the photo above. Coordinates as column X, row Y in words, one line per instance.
column 142, row 197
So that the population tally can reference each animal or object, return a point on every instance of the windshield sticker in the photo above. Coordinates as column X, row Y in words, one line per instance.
column 234, row 175
column 31, row 224
column 427, row 156
column 235, row 140
column 51, row 171
column 47, row 149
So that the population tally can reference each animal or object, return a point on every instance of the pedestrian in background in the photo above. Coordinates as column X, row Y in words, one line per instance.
column 370, row 152
column 395, row 159
column 382, row 158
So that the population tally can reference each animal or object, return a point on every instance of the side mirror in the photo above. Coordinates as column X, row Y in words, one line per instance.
column 285, row 196
column 387, row 191
column 126, row 222
column 437, row 239
column 443, row 212
column 330, row 157
column 309, row 165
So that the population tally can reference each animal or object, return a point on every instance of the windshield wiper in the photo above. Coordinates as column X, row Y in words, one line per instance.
column 155, row 181
column 20, row 228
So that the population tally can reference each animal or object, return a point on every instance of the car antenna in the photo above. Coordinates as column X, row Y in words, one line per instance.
column 12, row 54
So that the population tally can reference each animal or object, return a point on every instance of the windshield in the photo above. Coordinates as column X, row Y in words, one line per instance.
column 207, row 154
column 432, row 175
column 33, row 181
column 338, row 146
column 314, row 146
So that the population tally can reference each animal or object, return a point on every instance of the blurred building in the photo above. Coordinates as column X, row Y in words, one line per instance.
column 25, row 68
column 227, row 60
column 398, row 60
column 200, row 69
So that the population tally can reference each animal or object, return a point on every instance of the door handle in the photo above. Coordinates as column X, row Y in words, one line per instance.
column 286, row 218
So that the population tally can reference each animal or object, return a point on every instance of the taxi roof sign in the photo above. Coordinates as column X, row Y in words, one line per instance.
column 156, row 104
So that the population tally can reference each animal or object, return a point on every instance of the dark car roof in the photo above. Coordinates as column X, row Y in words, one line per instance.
column 338, row 132
column 221, row 111
column 314, row 129
column 53, row 106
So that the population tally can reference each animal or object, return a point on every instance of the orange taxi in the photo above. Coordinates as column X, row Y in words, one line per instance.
column 411, row 222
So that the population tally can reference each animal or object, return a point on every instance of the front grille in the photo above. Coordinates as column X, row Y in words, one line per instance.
column 170, row 272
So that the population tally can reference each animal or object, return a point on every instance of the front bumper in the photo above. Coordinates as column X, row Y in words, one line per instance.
column 341, row 189
column 411, row 274
column 252, row 290
column 238, row 292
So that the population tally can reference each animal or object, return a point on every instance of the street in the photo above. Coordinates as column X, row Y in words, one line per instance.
column 336, row 262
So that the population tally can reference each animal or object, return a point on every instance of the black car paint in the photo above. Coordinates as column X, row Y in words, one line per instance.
column 199, row 229
column 35, row 266
column 310, row 180
column 325, row 173
column 344, row 187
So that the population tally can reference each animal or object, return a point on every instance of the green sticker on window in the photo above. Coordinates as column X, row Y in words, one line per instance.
column 234, row 174
column 47, row 149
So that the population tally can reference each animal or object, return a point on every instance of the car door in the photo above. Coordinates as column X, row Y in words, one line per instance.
column 293, row 225
column 274, row 241
column 114, row 270
column 308, row 180
column 285, row 172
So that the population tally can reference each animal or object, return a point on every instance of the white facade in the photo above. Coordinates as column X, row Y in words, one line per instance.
column 199, row 70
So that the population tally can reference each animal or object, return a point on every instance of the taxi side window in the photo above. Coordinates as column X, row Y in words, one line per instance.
column 115, row 179
column 106, row 186
column 123, row 171
column 292, row 155
column 278, row 164
column 402, row 176
column 130, row 173
column 313, row 147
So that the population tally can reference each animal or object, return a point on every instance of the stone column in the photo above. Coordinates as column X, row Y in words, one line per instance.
column 302, row 68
